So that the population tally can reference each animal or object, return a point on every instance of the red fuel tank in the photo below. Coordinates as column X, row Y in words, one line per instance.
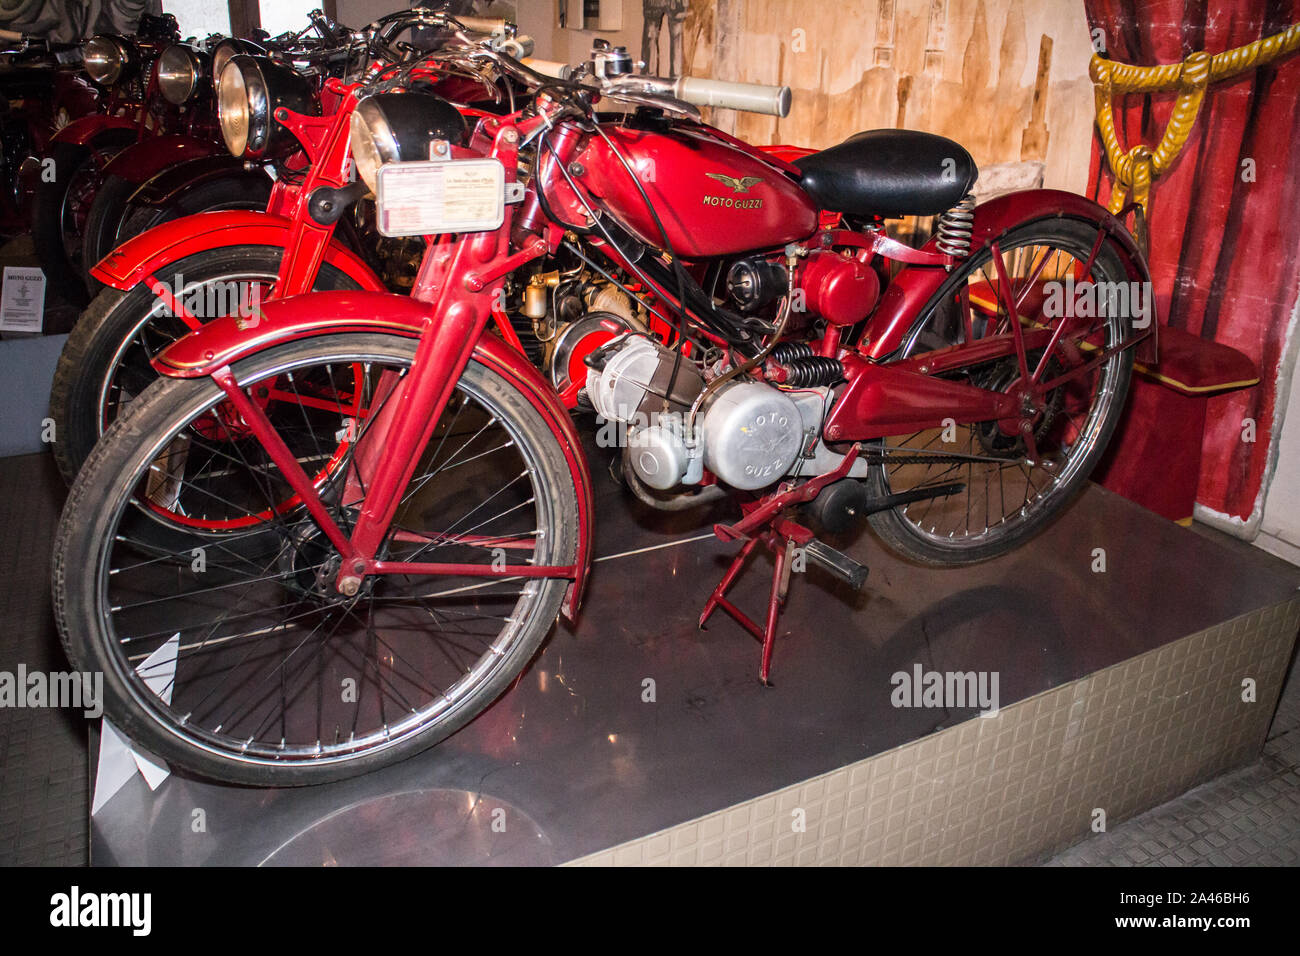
column 713, row 199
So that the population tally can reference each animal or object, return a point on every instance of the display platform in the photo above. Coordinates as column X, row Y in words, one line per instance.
column 1118, row 688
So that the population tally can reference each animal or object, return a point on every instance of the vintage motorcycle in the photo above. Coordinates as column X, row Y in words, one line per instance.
column 363, row 487
column 176, row 175
column 228, row 259
column 64, row 182
column 42, row 89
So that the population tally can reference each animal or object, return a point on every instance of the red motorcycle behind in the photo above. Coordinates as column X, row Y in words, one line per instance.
column 359, row 485
column 308, row 236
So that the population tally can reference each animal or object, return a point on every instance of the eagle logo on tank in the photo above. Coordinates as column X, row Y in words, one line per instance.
column 739, row 186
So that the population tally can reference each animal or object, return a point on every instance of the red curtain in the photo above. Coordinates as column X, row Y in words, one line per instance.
column 1224, row 249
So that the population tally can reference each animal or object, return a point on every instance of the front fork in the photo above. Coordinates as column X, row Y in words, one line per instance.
column 461, row 279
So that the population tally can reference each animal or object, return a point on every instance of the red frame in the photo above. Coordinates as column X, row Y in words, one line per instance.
column 451, row 307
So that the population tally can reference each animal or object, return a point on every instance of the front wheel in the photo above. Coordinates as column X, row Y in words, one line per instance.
column 231, row 654
column 1015, row 476
column 105, row 364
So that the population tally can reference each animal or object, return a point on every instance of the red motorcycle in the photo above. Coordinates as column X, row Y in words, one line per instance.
column 360, row 486
column 42, row 89
column 180, row 174
column 230, row 259
column 66, row 180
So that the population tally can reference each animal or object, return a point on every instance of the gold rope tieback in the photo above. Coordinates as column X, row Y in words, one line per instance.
column 1135, row 169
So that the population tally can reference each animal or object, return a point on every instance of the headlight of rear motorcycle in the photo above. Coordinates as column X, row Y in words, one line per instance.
column 109, row 59
column 249, row 91
column 227, row 48
column 180, row 70
column 398, row 127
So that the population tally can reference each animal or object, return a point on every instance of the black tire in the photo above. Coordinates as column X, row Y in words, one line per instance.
column 113, row 219
column 82, row 402
column 55, row 235
column 1068, row 475
column 102, row 505
column 103, row 225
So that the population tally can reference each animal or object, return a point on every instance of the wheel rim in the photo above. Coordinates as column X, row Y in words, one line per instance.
column 266, row 648
column 130, row 371
column 1008, row 491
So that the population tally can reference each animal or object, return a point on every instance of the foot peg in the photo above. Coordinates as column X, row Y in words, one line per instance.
column 837, row 563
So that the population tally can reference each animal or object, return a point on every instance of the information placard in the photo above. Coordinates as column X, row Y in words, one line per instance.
column 430, row 198
column 22, row 299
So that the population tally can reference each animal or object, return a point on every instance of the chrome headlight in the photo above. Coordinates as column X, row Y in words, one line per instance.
column 109, row 59
column 398, row 127
column 227, row 48
column 180, row 70
column 249, row 91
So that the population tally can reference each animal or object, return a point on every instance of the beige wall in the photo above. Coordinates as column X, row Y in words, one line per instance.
column 967, row 69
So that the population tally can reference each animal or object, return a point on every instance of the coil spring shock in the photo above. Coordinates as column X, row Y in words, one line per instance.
column 787, row 352
column 955, row 228
column 812, row 372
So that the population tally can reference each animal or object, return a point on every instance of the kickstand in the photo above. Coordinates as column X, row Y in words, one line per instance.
column 782, row 544
column 763, row 524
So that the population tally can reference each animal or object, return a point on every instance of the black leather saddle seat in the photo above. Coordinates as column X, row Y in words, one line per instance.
column 890, row 173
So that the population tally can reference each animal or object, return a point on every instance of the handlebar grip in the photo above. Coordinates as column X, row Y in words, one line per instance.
column 487, row 25
column 749, row 97
column 547, row 67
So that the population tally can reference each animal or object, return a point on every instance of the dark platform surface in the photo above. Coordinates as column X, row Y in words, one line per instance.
column 574, row 760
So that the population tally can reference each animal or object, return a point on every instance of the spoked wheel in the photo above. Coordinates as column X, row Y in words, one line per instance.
column 233, row 653
column 105, row 364
column 1020, row 471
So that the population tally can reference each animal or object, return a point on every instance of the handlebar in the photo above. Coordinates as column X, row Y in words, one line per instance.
column 749, row 97
column 488, row 25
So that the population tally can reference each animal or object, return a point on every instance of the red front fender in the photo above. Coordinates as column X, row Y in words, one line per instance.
column 82, row 131
column 143, row 160
column 224, row 341
column 163, row 245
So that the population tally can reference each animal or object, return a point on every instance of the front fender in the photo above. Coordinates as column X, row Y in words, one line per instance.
column 914, row 285
column 82, row 131
column 172, row 241
column 224, row 341
column 167, row 184
column 141, row 161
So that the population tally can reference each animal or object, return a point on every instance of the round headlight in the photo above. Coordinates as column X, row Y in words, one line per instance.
column 109, row 59
column 180, row 70
column 225, row 49
column 398, row 127
column 249, row 91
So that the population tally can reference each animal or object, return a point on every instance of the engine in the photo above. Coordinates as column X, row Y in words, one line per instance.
column 748, row 434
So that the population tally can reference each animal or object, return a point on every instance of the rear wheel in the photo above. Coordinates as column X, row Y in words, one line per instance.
column 232, row 654
column 1017, row 475
column 105, row 364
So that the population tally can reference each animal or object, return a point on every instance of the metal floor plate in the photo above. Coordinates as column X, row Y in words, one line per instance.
column 573, row 760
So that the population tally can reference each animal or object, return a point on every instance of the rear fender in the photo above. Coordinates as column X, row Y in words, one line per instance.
column 82, row 131
column 155, row 250
column 224, row 341
column 141, row 161
column 913, row 287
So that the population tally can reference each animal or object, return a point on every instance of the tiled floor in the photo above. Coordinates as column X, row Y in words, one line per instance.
column 43, row 772
column 1248, row 817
